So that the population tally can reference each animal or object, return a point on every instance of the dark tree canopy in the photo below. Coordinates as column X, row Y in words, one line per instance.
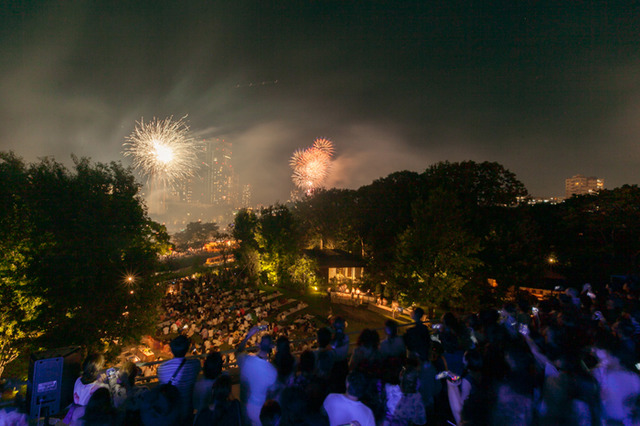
column 245, row 228
column 69, row 240
column 326, row 218
column 482, row 184
column 594, row 236
column 382, row 213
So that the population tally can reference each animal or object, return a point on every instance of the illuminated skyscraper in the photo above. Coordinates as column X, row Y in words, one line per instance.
column 219, row 174
column 246, row 195
column 581, row 185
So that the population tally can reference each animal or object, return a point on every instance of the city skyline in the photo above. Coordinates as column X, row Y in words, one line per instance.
column 549, row 90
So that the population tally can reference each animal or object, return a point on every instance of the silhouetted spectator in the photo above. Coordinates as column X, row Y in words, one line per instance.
column 221, row 410
column 270, row 413
column 99, row 410
column 393, row 346
column 406, row 407
column 162, row 406
column 417, row 339
column 211, row 370
column 181, row 373
column 366, row 356
column 325, row 355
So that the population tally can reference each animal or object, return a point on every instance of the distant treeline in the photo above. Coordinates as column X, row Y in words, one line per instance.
column 447, row 236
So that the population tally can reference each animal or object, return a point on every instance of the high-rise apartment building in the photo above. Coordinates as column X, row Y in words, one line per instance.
column 246, row 196
column 214, row 182
column 219, row 174
column 581, row 185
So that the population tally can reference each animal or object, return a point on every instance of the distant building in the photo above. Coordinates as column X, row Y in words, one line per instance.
column 246, row 196
column 184, row 190
column 337, row 265
column 219, row 180
column 581, row 185
column 545, row 200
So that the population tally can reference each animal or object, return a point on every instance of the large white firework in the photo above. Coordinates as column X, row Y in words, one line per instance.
column 311, row 166
column 163, row 149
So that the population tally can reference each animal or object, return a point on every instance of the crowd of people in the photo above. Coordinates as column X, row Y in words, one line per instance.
column 216, row 318
column 569, row 360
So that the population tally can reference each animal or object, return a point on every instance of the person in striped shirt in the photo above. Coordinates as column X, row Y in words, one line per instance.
column 182, row 373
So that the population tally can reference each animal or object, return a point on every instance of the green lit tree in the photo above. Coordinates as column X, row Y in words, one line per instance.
column 303, row 273
column 19, row 305
column 277, row 239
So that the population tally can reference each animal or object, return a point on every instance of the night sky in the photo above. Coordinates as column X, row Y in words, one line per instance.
column 549, row 89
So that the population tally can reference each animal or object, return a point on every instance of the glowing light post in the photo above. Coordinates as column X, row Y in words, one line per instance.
column 163, row 151
column 552, row 260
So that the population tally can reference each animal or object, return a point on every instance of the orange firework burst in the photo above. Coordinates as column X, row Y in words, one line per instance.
column 311, row 165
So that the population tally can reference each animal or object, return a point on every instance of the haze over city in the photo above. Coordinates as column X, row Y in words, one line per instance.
column 547, row 89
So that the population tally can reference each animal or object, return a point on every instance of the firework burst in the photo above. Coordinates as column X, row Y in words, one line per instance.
column 311, row 165
column 162, row 149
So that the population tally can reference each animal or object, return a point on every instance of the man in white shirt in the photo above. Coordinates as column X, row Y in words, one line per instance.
column 346, row 408
column 256, row 375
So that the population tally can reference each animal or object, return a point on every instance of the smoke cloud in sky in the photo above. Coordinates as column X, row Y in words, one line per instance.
column 549, row 90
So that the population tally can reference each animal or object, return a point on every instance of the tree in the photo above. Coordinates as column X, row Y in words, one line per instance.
column 481, row 184
column 595, row 236
column 491, row 202
column 326, row 219
column 277, row 240
column 69, row 242
column 245, row 228
column 19, row 304
column 512, row 248
column 196, row 235
column 382, row 212
column 436, row 256
column 303, row 273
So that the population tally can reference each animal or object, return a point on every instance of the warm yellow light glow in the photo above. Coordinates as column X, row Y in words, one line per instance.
column 162, row 152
